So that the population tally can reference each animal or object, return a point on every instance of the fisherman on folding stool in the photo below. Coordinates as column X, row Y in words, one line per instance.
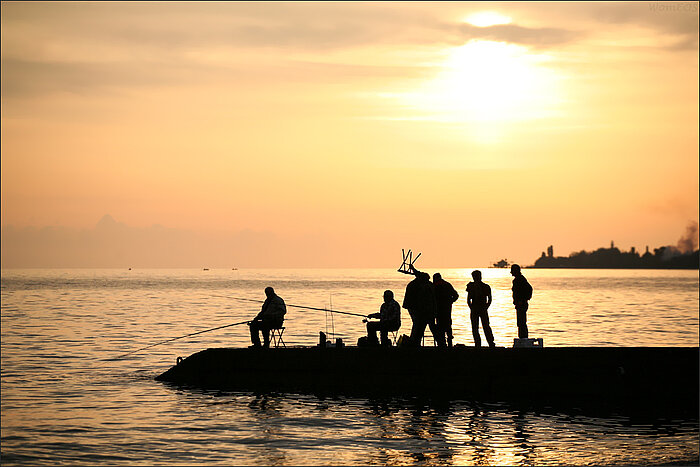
column 270, row 317
column 389, row 320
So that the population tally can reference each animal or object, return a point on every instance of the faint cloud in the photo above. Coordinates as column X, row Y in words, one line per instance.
column 678, row 19
column 533, row 37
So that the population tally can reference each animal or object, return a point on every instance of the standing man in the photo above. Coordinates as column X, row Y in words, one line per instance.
column 419, row 300
column 522, row 292
column 271, row 316
column 389, row 320
column 479, row 299
column 445, row 296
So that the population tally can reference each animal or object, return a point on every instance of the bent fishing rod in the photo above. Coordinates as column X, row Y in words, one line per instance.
column 234, row 324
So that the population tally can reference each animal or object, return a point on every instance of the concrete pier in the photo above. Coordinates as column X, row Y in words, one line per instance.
column 643, row 376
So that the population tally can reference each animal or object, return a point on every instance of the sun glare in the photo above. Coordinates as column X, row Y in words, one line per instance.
column 484, row 19
column 488, row 82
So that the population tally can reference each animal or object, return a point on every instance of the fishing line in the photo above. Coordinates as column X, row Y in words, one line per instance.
column 300, row 306
column 181, row 337
column 235, row 324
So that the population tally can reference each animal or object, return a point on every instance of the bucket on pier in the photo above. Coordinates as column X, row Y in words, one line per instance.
column 528, row 342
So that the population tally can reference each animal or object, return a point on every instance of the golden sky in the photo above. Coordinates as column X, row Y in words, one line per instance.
column 347, row 131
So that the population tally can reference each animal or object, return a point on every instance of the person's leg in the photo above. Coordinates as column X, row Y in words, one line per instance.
column 474, row 318
column 372, row 327
column 438, row 328
column 254, row 336
column 521, row 314
column 441, row 323
column 448, row 329
column 438, row 333
column 487, row 328
column 384, row 333
column 266, row 334
column 417, row 330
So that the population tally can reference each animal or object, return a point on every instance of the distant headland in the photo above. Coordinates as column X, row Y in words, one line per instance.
column 665, row 257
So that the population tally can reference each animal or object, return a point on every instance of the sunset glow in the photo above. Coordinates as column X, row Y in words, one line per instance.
column 485, row 81
column 335, row 134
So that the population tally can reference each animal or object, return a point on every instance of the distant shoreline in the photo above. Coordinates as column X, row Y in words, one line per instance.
column 666, row 257
column 690, row 268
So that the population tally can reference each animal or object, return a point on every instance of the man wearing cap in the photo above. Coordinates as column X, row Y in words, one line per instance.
column 271, row 316
column 389, row 320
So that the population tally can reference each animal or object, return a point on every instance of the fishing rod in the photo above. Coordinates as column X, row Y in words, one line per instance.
column 301, row 306
column 181, row 337
column 234, row 324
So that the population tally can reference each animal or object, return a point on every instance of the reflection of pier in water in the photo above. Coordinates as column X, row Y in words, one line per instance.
column 294, row 429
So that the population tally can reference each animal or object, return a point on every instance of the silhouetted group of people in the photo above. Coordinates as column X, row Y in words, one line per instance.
column 428, row 304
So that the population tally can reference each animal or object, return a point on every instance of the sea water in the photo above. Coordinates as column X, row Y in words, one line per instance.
column 66, row 400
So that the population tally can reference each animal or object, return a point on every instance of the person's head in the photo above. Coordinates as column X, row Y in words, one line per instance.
column 269, row 291
column 515, row 269
column 424, row 276
column 437, row 276
column 476, row 274
column 388, row 296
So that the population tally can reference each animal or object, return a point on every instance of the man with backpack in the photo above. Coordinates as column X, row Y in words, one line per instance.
column 522, row 292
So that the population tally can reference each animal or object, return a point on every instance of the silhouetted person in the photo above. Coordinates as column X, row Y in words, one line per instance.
column 419, row 300
column 271, row 316
column 389, row 320
column 479, row 300
column 522, row 292
column 445, row 296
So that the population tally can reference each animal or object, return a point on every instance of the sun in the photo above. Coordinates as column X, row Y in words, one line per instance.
column 489, row 82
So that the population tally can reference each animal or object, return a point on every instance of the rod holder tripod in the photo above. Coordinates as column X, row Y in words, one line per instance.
column 408, row 260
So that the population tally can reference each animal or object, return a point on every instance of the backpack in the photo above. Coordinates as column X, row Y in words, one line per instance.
column 528, row 293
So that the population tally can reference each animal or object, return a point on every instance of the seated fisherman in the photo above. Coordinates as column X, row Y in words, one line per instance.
column 389, row 320
column 270, row 317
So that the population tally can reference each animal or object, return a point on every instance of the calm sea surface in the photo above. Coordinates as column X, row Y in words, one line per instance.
column 66, row 401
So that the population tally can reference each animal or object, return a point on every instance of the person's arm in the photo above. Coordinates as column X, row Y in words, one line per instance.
column 408, row 296
column 470, row 298
column 263, row 310
column 374, row 315
column 489, row 299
